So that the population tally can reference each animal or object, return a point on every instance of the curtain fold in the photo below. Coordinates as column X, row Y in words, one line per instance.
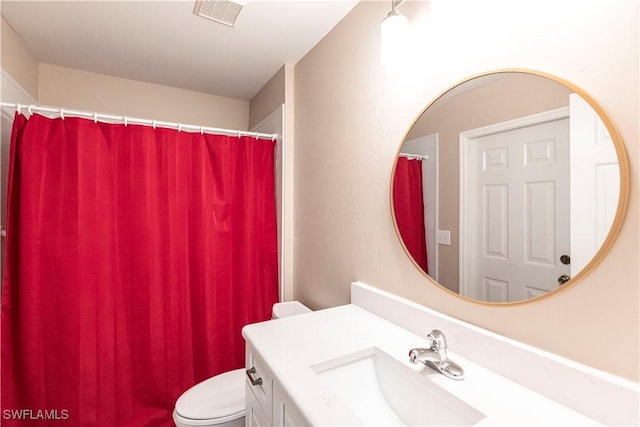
column 134, row 257
column 408, row 207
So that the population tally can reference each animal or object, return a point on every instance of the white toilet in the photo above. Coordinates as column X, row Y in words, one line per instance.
column 220, row 400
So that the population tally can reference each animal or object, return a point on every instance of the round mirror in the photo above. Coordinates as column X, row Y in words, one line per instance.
column 510, row 186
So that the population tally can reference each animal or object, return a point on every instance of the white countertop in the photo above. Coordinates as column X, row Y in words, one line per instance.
column 290, row 346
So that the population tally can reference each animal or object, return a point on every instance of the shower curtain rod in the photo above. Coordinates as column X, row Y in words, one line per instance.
column 108, row 118
column 413, row 156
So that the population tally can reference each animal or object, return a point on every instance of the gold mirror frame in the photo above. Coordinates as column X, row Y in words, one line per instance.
column 623, row 199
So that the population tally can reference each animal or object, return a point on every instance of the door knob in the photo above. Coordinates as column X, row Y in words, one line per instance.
column 563, row 279
column 565, row 259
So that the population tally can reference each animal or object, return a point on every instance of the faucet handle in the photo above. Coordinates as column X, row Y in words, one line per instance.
column 437, row 340
column 414, row 353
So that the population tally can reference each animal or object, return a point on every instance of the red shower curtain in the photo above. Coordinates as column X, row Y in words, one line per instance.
column 134, row 257
column 408, row 207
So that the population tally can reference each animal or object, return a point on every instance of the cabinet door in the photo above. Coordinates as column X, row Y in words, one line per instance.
column 262, row 392
column 285, row 413
column 291, row 416
column 254, row 415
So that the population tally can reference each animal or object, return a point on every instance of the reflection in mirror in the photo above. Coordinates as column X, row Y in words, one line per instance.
column 506, row 187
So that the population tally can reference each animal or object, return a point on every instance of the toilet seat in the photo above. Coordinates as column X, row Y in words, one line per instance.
column 220, row 400
column 216, row 400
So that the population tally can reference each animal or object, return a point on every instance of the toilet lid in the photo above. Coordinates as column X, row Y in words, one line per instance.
column 221, row 396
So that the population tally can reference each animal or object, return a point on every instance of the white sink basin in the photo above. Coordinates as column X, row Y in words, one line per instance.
column 382, row 391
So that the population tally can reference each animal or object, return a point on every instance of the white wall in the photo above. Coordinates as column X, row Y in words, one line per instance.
column 352, row 115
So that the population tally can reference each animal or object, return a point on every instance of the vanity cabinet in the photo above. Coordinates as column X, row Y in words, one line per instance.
column 267, row 404
column 347, row 365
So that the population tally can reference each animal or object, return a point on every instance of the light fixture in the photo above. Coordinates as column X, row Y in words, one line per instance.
column 394, row 29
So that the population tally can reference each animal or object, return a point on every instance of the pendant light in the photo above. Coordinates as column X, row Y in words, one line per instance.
column 394, row 30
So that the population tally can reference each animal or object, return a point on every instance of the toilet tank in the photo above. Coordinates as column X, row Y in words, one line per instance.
column 288, row 308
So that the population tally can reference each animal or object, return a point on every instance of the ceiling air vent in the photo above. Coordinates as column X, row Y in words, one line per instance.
column 222, row 11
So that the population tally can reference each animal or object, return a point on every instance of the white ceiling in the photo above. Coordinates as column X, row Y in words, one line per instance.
column 163, row 42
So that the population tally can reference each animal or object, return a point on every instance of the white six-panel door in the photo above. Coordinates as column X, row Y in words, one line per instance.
column 516, row 223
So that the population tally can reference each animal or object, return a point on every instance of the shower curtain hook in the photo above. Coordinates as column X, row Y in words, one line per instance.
column 62, row 113
column 179, row 127
column 257, row 135
column 273, row 137
column 239, row 134
column 202, row 130
column 29, row 109
column 95, row 117
column 18, row 108
column 125, row 120
column 153, row 123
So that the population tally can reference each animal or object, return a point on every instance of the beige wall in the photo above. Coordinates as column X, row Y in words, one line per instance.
column 510, row 96
column 17, row 60
column 268, row 99
column 71, row 88
column 351, row 116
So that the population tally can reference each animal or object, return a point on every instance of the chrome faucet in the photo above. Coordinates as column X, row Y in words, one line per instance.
column 436, row 356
